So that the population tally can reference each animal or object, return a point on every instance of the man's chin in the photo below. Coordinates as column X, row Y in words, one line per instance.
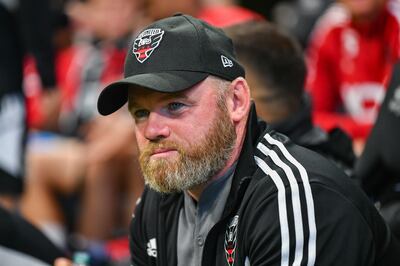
column 164, row 189
column 162, row 186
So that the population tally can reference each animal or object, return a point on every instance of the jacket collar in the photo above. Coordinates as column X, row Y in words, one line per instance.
column 246, row 165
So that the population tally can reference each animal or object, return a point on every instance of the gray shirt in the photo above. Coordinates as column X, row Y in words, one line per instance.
column 197, row 219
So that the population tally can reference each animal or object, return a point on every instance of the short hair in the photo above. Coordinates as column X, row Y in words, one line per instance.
column 276, row 58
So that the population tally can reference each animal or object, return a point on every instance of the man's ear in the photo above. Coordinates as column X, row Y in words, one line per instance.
column 239, row 99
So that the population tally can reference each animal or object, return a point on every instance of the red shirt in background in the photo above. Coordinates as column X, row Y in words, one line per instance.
column 349, row 67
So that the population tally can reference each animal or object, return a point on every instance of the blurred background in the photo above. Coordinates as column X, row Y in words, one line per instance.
column 72, row 175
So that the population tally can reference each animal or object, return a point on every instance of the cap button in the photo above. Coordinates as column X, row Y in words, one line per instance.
column 177, row 14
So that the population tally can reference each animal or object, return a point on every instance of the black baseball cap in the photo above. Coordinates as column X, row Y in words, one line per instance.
column 171, row 55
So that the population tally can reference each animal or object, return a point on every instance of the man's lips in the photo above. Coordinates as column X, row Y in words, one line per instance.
column 163, row 152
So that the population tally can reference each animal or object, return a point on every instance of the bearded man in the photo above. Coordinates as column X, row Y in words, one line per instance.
column 221, row 187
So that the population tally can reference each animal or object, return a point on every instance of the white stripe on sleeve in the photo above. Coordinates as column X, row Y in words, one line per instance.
column 281, row 209
column 309, row 199
column 298, row 222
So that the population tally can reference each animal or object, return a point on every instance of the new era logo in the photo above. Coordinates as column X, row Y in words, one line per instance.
column 226, row 62
column 152, row 248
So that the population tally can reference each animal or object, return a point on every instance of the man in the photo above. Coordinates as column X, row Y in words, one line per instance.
column 351, row 54
column 275, row 72
column 222, row 188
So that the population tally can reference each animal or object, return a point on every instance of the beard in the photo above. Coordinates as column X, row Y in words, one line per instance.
column 194, row 165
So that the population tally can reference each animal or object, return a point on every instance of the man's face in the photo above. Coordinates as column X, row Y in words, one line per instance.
column 184, row 138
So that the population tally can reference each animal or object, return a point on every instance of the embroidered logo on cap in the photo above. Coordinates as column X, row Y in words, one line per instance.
column 146, row 42
column 226, row 62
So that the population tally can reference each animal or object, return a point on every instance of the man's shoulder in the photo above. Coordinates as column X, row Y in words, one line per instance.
column 279, row 152
column 295, row 171
column 284, row 165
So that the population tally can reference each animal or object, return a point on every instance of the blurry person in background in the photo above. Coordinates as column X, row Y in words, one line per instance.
column 276, row 72
column 350, row 57
column 378, row 168
column 298, row 16
column 157, row 9
column 219, row 13
column 84, row 177
column 25, row 30
column 113, row 181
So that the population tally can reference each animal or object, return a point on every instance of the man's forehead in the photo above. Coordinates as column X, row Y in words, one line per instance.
column 202, row 89
column 136, row 94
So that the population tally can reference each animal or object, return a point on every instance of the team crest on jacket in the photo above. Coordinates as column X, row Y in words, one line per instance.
column 147, row 41
column 230, row 240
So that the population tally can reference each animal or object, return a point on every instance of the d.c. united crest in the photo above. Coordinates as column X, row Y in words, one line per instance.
column 230, row 240
column 146, row 42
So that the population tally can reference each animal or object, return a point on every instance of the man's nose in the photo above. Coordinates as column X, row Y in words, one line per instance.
column 156, row 127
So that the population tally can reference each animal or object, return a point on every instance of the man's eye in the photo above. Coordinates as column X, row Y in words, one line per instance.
column 140, row 114
column 175, row 106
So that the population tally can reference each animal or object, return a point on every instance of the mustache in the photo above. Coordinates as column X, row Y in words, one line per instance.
column 153, row 146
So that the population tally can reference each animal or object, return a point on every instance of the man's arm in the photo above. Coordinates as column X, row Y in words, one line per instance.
column 342, row 236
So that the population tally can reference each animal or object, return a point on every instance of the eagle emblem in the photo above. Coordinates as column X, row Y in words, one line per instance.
column 230, row 240
column 146, row 42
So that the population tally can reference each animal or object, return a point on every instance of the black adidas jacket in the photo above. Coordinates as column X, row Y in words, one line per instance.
column 287, row 206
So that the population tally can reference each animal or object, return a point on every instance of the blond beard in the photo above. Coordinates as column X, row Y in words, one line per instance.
column 193, row 166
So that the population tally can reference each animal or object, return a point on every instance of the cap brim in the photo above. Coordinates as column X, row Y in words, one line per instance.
column 115, row 95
